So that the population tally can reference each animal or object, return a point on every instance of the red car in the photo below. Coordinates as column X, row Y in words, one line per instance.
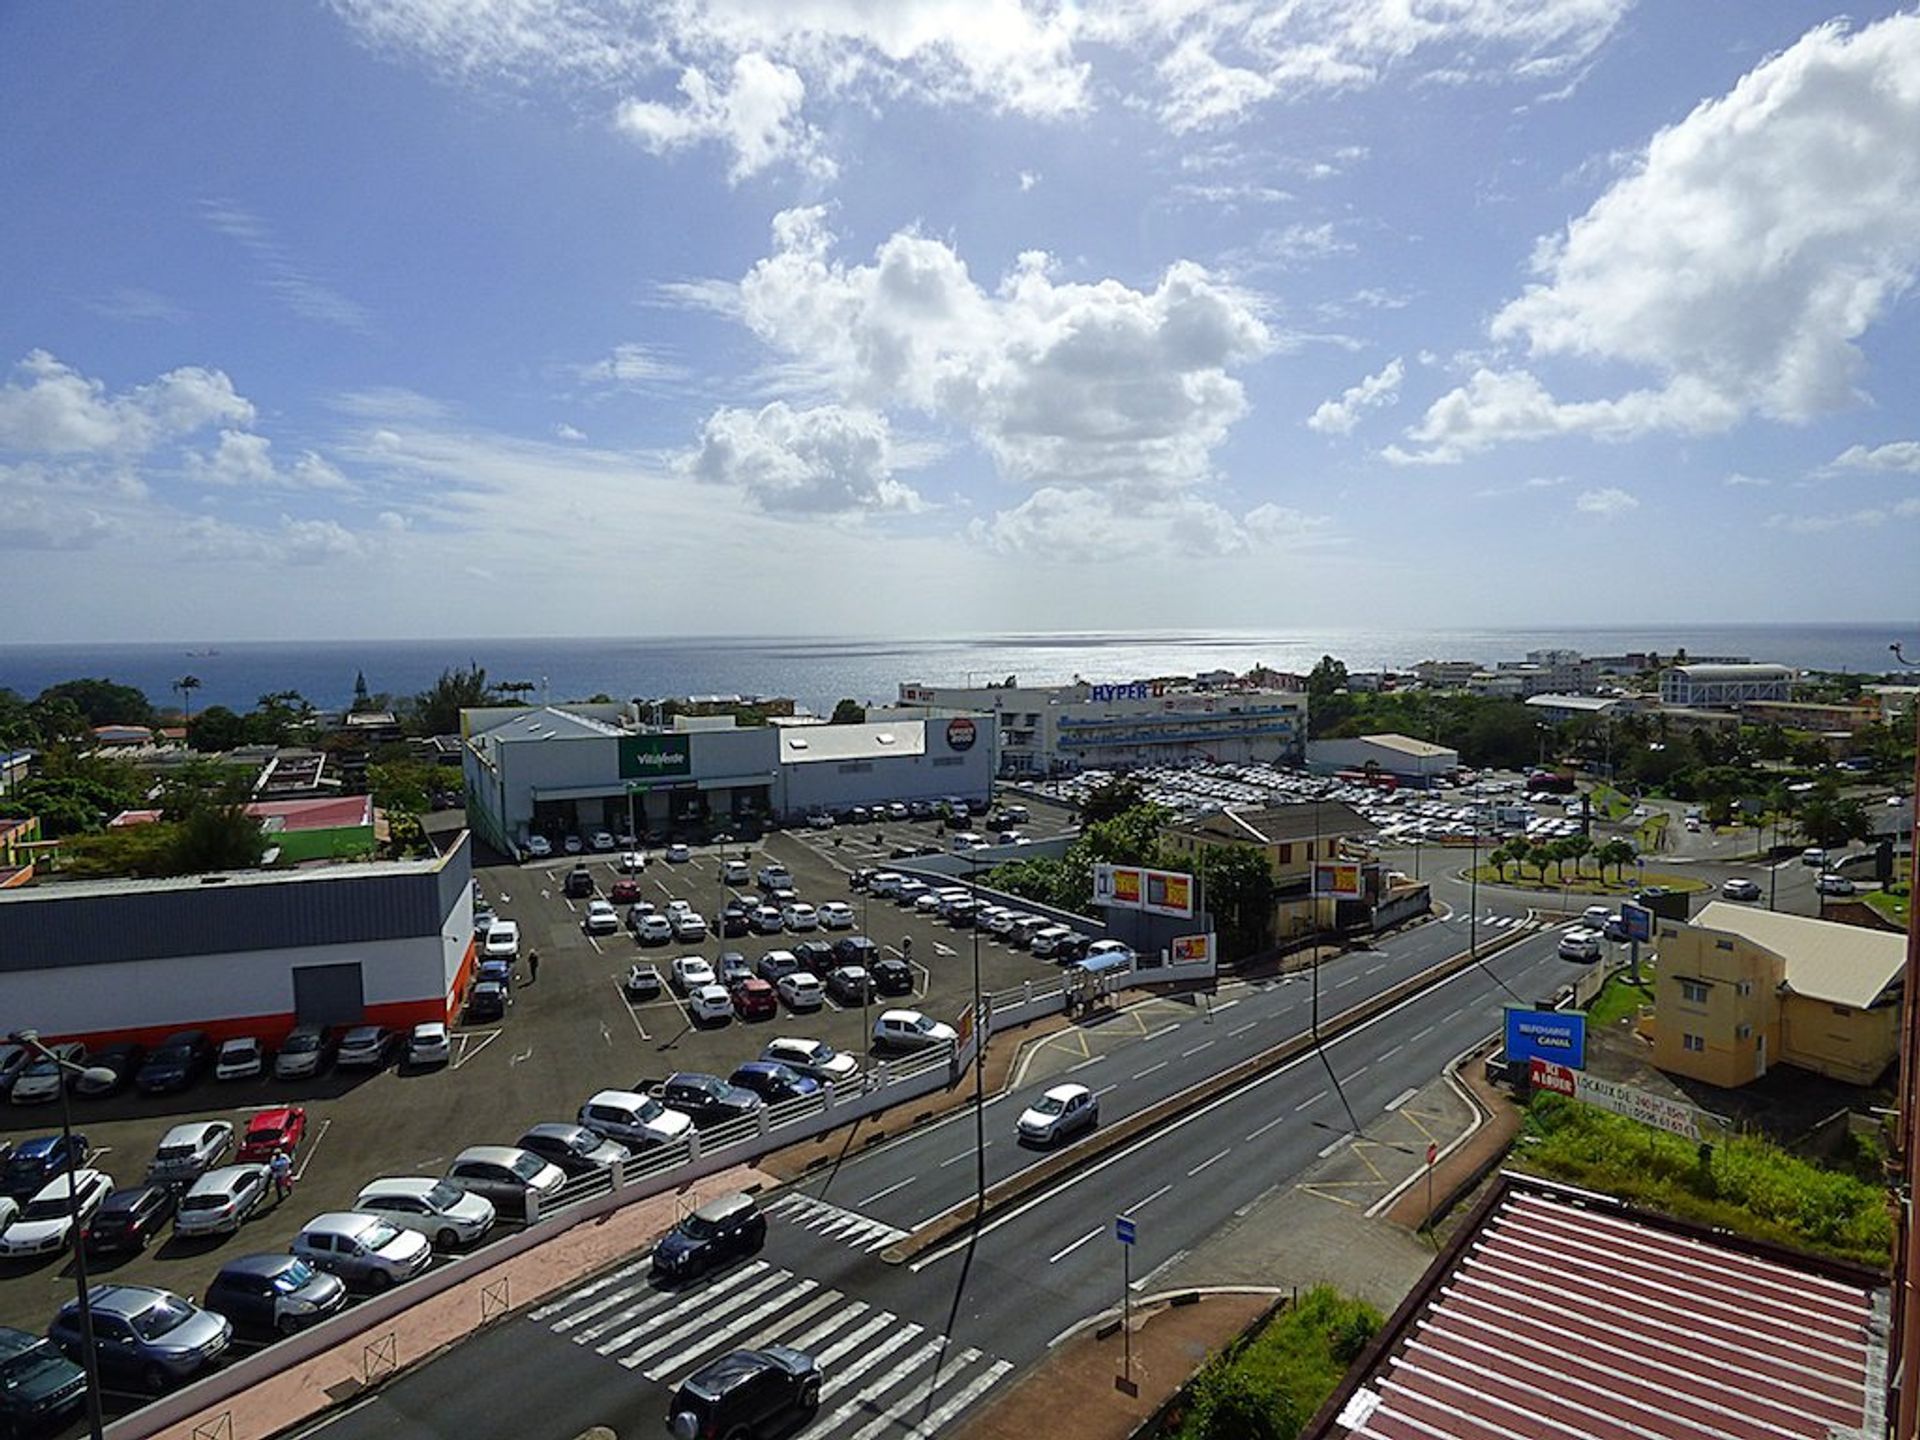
column 272, row 1131
column 754, row 998
column 624, row 892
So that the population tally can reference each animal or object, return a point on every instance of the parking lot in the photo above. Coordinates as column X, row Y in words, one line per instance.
column 568, row 1033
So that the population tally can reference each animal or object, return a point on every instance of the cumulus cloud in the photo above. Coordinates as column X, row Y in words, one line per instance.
column 43, row 509
column 571, row 433
column 291, row 542
column 1900, row 456
column 1069, row 524
column 826, row 460
column 1062, row 383
column 48, row 408
column 1338, row 417
column 1609, row 504
column 245, row 460
column 1739, row 261
column 756, row 115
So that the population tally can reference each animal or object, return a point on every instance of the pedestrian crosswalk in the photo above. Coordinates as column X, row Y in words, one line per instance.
column 847, row 1226
column 885, row 1378
column 1515, row 923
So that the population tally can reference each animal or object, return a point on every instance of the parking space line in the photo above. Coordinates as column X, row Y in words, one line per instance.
column 325, row 1125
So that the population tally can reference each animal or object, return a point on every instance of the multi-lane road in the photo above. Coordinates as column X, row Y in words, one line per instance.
column 912, row 1348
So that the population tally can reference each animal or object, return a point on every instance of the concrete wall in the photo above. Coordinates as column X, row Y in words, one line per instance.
column 837, row 784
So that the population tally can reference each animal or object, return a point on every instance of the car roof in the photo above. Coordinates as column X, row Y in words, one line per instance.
column 124, row 1300
column 223, row 1178
column 56, row 1188
column 277, row 1118
column 1067, row 1092
column 612, row 1097
column 189, row 1133
column 263, row 1265
column 39, row 1145
column 726, row 1206
column 130, row 1196
column 903, row 1017
column 341, row 1222
column 561, row 1130
column 363, row 1032
column 399, row 1185
column 430, row 1027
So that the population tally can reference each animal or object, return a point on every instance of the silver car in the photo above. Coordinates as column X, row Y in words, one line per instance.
column 186, row 1152
column 362, row 1249
column 221, row 1200
column 515, row 1180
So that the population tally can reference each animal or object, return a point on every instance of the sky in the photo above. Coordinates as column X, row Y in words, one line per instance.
column 424, row 318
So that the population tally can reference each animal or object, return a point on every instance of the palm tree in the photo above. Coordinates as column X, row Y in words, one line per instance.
column 1543, row 856
column 1617, row 853
column 185, row 686
column 1499, row 859
column 1519, row 850
column 1578, row 848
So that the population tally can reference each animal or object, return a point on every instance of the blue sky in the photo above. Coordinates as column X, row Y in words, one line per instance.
column 486, row 317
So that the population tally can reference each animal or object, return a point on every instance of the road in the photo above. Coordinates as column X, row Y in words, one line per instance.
column 911, row 1348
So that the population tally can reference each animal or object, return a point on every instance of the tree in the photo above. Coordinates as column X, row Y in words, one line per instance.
column 1541, row 856
column 403, row 786
column 217, row 728
column 1520, row 851
column 1500, row 858
column 1325, row 678
column 217, row 837
column 1238, row 886
column 1830, row 820
column 278, row 716
column 849, row 712
column 1617, row 853
column 184, row 687
column 1578, row 848
column 103, row 702
column 438, row 708
column 1114, row 797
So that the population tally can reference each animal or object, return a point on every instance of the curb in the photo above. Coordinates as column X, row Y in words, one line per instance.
column 1161, row 1299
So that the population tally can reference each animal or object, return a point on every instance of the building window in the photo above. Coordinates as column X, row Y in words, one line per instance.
column 1286, row 854
column 1693, row 992
column 1723, row 944
column 1743, row 1032
column 1744, row 987
column 1696, row 1043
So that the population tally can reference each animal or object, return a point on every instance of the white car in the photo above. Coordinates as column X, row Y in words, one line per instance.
column 633, row 862
column 429, row 1044
column 1060, row 1112
column 439, row 1209
column 910, row 1030
column 46, row 1223
column 44, row 1079
column 363, row 1249
column 602, row 840
column 775, row 877
column 908, row 890
column 710, row 1003
column 652, row 929
column 678, row 854
column 1580, row 944
column 1738, row 887
column 241, row 1058
column 601, row 918
column 636, row 1121
column 799, row 917
column 812, row 1057
column 572, row 845
column 690, row 972
column 885, row 882
column 735, row 872
column 539, row 847
column 689, row 926
column 502, row 942
column 221, row 1200
column 678, row 907
column 820, row 820
column 1595, row 916
column 836, row 915
column 802, row 990
column 925, row 901
column 1101, row 949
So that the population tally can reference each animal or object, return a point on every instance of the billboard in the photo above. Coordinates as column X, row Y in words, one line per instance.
column 1191, row 949
column 1559, row 1036
column 960, row 734
column 1676, row 1117
column 1340, row 879
column 1639, row 921
column 654, row 757
column 1132, row 887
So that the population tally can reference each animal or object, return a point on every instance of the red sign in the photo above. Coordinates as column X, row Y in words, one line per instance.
column 960, row 734
column 1546, row 1075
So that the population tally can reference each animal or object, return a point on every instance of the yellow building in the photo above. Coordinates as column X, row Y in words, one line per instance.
column 1292, row 837
column 1740, row 990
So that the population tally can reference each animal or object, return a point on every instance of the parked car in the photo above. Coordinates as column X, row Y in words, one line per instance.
column 579, row 883
column 428, row 1044
column 747, row 1393
column 624, row 891
column 812, row 1057
column 835, row 915
column 652, row 928
column 573, row 1148
column 1063, row 1111
column 776, row 965
column 220, row 1201
column 911, row 1030
column 736, row 920
column 601, row 840
column 732, row 967
column 642, row 983
column 1832, row 884
column 690, row 972
column 502, row 942
column 278, row 1131
column 275, row 1294
column 442, row 1210
column 1814, row 857
column 118, row 1062
column 186, row 1152
column 40, row 1388
column 366, row 1250
column 717, row 1233
column 241, row 1058
column 855, row 950
column 539, row 847
column 36, row 1161
column 365, row 1047
column 891, row 976
column 144, row 1338
column 512, row 1178
column 754, row 998
column 775, row 877
column 707, row 1099
column 773, row 1081
column 850, row 984
column 1046, row 942
column 633, row 861
column 765, row 920
column 802, row 990
column 128, row 1218
column 306, row 1052
column 175, row 1064
column 689, row 926
column 488, row 1001
column 1738, row 887
column 678, row 854
column 13, row 1059
column 601, row 918
column 640, row 1122
column 709, row 1004
column 45, row 1226
column 735, row 872
column 46, row 1077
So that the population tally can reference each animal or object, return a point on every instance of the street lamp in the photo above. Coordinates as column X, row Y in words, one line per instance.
column 979, row 1052
column 89, row 1358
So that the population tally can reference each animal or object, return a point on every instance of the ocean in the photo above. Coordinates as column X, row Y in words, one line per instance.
column 817, row 672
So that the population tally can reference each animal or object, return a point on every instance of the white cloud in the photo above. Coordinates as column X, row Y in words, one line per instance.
column 631, row 365
column 42, row 509
column 245, row 460
column 1865, row 519
column 296, row 287
column 1741, row 259
column 135, row 303
column 756, row 115
column 1070, row 525
column 49, row 408
column 1287, row 247
column 1338, row 417
column 1901, row 456
column 568, row 432
column 1028, row 179
column 1609, row 503
column 1754, row 482
column 826, row 460
column 1062, row 383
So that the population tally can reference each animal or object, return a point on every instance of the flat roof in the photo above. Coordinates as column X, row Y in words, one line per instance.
column 1556, row 1312
column 545, row 722
column 805, row 744
column 1841, row 964
column 1594, row 703
column 1735, row 672
column 1407, row 745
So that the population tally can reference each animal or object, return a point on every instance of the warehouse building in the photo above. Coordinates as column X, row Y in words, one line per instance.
column 1722, row 686
column 1405, row 760
column 248, row 953
column 834, row 767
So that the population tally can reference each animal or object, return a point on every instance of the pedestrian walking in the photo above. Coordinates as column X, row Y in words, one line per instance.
column 533, row 966
column 281, row 1168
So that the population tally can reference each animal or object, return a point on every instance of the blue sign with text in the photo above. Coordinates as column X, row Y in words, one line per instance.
column 1123, row 1229
column 1559, row 1036
column 1638, row 920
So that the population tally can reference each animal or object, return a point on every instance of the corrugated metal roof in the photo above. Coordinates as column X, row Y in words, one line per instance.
column 853, row 742
column 547, row 723
column 1841, row 964
column 1573, row 1317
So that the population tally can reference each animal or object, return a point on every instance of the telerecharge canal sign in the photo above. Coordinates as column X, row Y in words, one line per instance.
column 1557, row 1036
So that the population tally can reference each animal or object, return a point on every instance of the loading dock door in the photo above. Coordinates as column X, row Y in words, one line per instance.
column 328, row 994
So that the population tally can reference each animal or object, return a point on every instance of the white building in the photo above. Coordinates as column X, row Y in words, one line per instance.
column 1557, row 708
column 1410, row 761
column 1720, row 686
column 835, row 767
column 1058, row 729
column 246, row 953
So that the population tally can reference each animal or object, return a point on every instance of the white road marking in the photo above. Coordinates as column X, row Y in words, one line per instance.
column 321, row 1134
column 1142, row 1204
column 591, row 1289
column 1243, row 1029
column 1156, row 1034
column 1060, row 1255
column 1151, row 1068
column 1405, row 1095
column 660, row 1369
column 1211, row 1160
column 1255, row 1135
column 1105, row 1090
column 882, row 1194
column 1093, row 1060
column 1311, row 1100
column 1196, row 1049
column 1228, row 1005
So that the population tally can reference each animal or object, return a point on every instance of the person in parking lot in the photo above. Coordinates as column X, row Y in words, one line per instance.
column 533, row 966
column 281, row 1168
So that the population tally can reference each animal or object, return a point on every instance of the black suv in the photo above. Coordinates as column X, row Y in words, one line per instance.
column 39, row 1387
column 718, row 1232
column 855, row 950
column 579, row 883
column 748, row 1393
column 891, row 976
column 128, row 1218
column 707, row 1099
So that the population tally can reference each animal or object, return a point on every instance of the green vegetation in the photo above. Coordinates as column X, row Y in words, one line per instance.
column 1581, row 883
column 1892, row 901
column 1619, row 998
column 849, row 712
column 1273, row 1384
column 1743, row 1184
column 1609, row 804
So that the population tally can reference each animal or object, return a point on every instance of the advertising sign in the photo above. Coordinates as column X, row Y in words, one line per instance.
column 1340, row 879
column 1158, row 892
column 1546, row 1075
column 654, row 757
column 1673, row 1116
column 1191, row 949
column 960, row 734
column 1638, row 920
column 1169, row 893
column 1556, row 1035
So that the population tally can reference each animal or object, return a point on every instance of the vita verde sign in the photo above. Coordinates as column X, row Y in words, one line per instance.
column 654, row 757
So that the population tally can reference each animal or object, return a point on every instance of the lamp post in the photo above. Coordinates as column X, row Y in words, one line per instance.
column 979, row 1053
column 89, row 1357
column 1473, row 894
